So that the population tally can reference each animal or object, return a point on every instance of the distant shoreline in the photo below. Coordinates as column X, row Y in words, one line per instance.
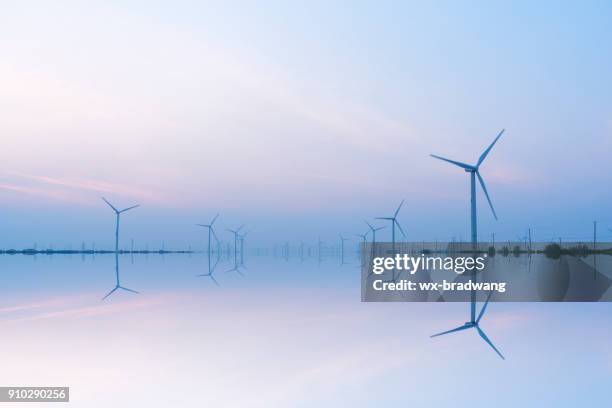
column 85, row 252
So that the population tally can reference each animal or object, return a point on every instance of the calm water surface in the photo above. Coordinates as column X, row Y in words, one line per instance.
column 280, row 334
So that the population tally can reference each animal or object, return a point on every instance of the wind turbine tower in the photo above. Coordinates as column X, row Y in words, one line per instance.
column 342, row 240
column 210, row 231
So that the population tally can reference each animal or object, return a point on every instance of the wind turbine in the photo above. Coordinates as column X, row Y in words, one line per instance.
column 394, row 222
column 475, row 324
column 364, row 237
column 210, row 230
column 235, row 232
column 342, row 240
column 373, row 231
column 319, row 249
column 364, row 240
column 219, row 248
column 373, row 236
column 241, row 239
column 474, row 172
column 118, row 214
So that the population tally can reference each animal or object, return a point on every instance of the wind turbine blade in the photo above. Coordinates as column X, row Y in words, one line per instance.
column 214, row 235
column 214, row 280
column 129, row 208
column 239, row 228
column 398, row 209
column 400, row 227
column 110, row 293
column 130, row 290
column 202, row 225
column 465, row 326
column 486, row 152
column 369, row 225
column 484, row 188
column 485, row 338
column 484, row 307
column 383, row 218
column 110, row 205
column 214, row 219
column 379, row 228
column 456, row 163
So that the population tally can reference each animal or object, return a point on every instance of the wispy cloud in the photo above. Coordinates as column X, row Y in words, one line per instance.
column 45, row 193
column 79, row 190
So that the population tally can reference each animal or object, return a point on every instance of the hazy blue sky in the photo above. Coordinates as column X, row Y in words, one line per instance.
column 314, row 116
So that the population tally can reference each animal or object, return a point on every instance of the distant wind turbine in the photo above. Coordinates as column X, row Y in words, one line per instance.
column 241, row 239
column 364, row 240
column 364, row 237
column 373, row 236
column 210, row 231
column 373, row 231
column 319, row 249
column 394, row 223
column 118, row 214
column 342, row 240
column 235, row 232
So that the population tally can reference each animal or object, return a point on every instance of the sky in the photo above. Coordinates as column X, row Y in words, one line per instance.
column 301, row 120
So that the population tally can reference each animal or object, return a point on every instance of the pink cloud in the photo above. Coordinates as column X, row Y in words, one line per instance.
column 76, row 189
column 45, row 192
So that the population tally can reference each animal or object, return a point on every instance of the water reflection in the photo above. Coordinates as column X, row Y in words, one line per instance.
column 211, row 269
column 117, row 280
